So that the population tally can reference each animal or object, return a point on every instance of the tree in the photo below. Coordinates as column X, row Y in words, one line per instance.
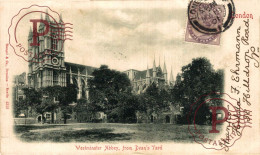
column 19, row 106
column 197, row 78
column 178, row 78
column 106, row 79
column 154, row 100
column 38, row 100
column 67, row 95
column 55, row 97
column 49, row 100
column 32, row 99
column 86, row 108
column 125, row 111
column 106, row 90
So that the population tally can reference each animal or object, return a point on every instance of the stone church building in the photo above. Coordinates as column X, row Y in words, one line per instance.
column 140, row 80
column 47, row 67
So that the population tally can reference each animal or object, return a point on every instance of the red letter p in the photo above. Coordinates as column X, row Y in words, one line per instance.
column 214, row 118
column 35, row 33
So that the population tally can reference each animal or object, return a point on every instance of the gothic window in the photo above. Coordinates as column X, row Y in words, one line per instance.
column 48, row 43
column 54, row 44
column 45, row 42
column 55, row 78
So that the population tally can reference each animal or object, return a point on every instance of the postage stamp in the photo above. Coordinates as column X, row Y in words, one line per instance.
column 207, row 20
column 192, row 35
column 211, row 18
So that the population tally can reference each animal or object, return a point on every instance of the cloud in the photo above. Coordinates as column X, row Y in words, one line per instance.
column 125, row 35
column 130, row 37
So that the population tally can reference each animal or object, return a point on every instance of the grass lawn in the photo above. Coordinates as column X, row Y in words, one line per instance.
column 103, row 132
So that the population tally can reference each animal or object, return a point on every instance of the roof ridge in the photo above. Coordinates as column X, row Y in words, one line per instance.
column 80, row 64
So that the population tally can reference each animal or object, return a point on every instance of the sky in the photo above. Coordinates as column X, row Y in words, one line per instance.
column 131, row 38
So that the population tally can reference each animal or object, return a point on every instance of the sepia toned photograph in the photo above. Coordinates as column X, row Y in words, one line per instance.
column 132, row 77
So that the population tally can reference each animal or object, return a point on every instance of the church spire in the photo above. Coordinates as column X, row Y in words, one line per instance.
column 147, row 76
column 154, row 68
column 61, row 21
column 171, row 78
column 164, row 67
column 47, row 16
column 165, row 72
column 41, row 24
column 147, row 72
column 159, row 69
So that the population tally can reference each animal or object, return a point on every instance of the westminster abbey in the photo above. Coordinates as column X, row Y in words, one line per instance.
column 47, row 67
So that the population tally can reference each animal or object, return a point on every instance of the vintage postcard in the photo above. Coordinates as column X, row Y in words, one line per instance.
column 130, row 77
